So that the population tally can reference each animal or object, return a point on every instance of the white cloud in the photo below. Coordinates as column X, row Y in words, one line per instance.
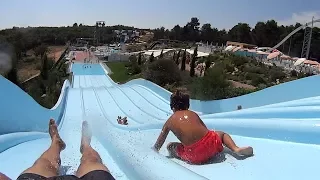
column 302, row 17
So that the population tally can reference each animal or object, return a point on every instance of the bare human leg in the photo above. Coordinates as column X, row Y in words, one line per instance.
column 90, row 160
column 49, row 162
column 229, row 143
column 172, row 149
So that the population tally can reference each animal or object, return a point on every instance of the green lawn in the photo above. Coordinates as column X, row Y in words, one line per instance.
column 120, row 72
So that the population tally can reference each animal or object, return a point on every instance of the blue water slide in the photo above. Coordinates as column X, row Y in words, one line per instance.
column 281, row 123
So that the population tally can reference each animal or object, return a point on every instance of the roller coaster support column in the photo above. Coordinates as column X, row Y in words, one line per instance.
column 307, row 41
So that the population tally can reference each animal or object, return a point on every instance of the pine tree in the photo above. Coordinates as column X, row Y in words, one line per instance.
column 139, row 59
column 161, row 54
column 178, row 57
column 44, row 68
column 193, row 62
column 183, row 62
column 151, row 59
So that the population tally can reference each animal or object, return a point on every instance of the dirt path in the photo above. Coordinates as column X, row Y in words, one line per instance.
column 55, row 52
column 241, row 85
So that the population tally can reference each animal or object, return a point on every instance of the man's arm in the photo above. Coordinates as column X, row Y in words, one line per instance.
column 162, row 137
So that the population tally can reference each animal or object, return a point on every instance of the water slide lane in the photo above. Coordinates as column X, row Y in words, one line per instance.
column 284, row 135
column 260, row 137
column 127, row 150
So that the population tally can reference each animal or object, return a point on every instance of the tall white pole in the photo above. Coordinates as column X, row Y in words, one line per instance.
column 310, row 38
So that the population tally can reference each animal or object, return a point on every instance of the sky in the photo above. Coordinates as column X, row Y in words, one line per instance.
column 222, row 14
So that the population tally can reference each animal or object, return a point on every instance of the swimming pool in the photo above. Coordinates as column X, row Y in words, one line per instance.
column 87, row 69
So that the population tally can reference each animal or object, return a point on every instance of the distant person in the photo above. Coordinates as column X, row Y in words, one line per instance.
column 122, row 121
column 239, row 107
column 48, row 164
column 198, row 143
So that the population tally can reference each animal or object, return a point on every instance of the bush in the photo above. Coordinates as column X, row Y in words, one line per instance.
column 134, row 69
column 254, row 69
column 234, row 92
column 208, row 62
column 239, row 61
column 257, row 80
column 229, row 67
column 133, row 59
column 248, row 75
column 276, row 74
column 294, row 73
column 162, row 72
column 212, row 86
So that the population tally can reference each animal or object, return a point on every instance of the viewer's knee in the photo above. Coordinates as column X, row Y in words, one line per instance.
column 43, row 162
column 91, row 159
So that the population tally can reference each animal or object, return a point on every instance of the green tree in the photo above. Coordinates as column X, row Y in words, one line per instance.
column 193, row 62
column 294, row 73
column 140, row 59
column 151, row 59
column 161, row 54
column 178, row 57
column 176, row 32
column 213, row 85
column 241, row 33
column 208, row 62
column 133, row 59
column 41, row 50
column 44, row 69
column 183, row 62
column 162, row 72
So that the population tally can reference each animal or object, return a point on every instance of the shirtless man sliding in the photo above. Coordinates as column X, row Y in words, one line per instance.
column 198, row 143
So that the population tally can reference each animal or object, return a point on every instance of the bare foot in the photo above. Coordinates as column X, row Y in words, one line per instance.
column 244, row 151
column 86, row 135
column 125, row 121
column 55, row 137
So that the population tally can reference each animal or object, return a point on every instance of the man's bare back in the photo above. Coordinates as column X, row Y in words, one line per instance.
column 187, row 127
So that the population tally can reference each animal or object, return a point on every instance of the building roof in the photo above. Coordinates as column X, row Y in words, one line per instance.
column 157, row 53
column 200, row 54
column 239, row 43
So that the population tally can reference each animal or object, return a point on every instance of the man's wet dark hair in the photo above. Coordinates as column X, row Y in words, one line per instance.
column 180, row 100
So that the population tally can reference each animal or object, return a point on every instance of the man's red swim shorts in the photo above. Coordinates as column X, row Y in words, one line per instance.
column 201, row 151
